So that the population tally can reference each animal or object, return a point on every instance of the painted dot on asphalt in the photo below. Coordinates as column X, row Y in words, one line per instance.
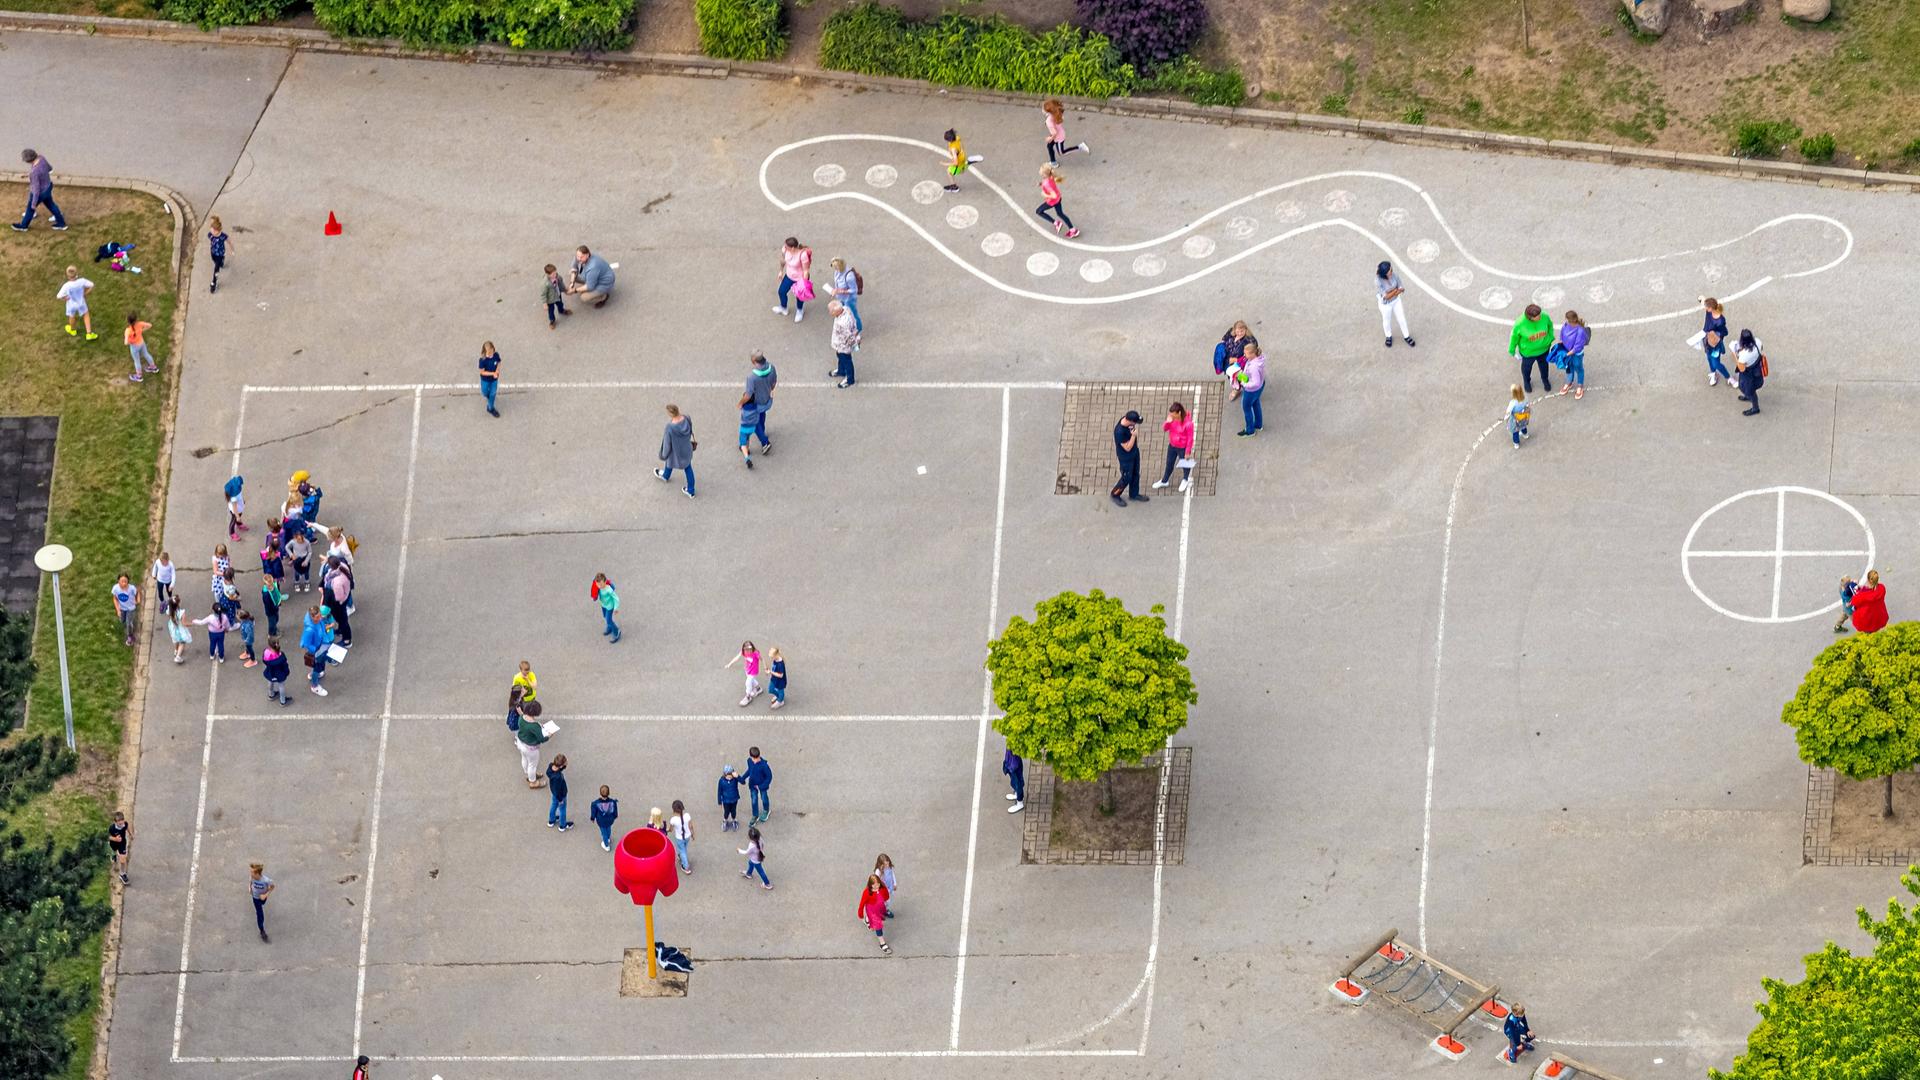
column 1197, row 247
column 1423, row 251
column 1656, row 283
column 882, row 175
column 1289, row 211
column 1495, row 298
column 1395, row 216
column 996, row 244
column 1338, row 201
column 1242, row 227
column 922, row 470
column 963, row 217
column 1149, row 265
column 1713, row 271
column 1549, row 295
column 928, row 192
column 1096, row 270
column 1456, row 277
column 829, row 175
column 1599, row 292
column 1042, row 263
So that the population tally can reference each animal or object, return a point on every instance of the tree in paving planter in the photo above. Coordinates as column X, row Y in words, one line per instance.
column 1087, row 685
column 1858, row 710
column 1852, row 1017
column 1148, row 33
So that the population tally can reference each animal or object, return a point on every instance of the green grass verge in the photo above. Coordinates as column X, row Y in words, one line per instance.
column 105, row 477
column 1864, row 89
column 119, row 9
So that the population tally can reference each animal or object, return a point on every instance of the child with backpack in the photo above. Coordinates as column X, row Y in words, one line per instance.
column 275, row 670
column 236, row 508
column 602, row 593
column 1517, row 416
column 729, row 799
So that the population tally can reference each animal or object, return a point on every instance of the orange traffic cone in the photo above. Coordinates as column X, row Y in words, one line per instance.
column 333, row 224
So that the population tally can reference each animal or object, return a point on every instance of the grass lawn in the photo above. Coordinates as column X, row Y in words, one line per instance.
column 105, row 478
column 124, row 9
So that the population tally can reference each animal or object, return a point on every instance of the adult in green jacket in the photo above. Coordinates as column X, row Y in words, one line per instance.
column 1531, row 340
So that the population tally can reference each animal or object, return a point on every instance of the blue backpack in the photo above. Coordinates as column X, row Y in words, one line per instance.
column 233, row 486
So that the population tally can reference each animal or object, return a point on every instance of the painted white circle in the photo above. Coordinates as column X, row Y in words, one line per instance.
column 1197, row 247
column 1656, row 283
column 882, row 175
column 996, row 244
column 928, row 192
column 1395, row 216
column 1494, row 298
column 1788, row 499
column 1096, row 270
column 1713, row 271
column 1423, row 251
column 1242, row 227
column 829, row 176
column 1599, row 292
column 1549, row 295
column 1149, row 265
column 1042, row 263
column 1338, row 201
column 1456, row 277
column 963, row 216
column 1289, row 211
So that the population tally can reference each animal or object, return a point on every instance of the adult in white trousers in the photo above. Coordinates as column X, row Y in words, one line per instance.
column 1387, row 290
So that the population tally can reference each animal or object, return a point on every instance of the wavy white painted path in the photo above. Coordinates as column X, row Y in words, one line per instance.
column 999, row 240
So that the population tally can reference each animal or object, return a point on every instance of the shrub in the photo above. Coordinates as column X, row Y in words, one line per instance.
column 962, row 50
column 1911, row 151
column 1334, row 104
column 16, row 666
column 30, row 765
column 1764, row 138
column 208, row 14
column 740, row 29
column 585, row 25
column 1148, row 33
column 1817, row 148
column 1202, row 84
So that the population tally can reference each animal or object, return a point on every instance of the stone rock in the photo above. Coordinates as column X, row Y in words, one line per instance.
column 1649, row 16
column 1713, row 17
column 1806, row 10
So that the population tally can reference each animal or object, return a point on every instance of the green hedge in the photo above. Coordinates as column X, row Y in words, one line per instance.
column 558, row 25
column 740, row 29
column 1203, row 85
column 963, row 50
column 208, row 14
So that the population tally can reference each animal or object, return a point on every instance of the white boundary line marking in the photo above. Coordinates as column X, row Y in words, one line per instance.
column 791, row 1055
column 641, row 384
column 1337, row 222
column 1778, row 554
column 386, row 722
column 986, row 716
column 200, row 813
column 637, row 718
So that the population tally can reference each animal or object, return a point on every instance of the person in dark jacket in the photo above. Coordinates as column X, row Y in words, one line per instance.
column 557, row 788
column 729, row 799
column 759, row 780
column 39, row 191
column 1016, row 771
column 676, row 447
column 275, row 669
column 761, row 379
column 1746, row 363
column 603, row 811
column 1519, row 1035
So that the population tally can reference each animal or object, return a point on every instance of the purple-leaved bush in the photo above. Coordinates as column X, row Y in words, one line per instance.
column 1148, row 33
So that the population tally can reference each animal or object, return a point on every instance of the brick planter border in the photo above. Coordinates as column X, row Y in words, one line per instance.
column 1816, row 842
column 1036, row 845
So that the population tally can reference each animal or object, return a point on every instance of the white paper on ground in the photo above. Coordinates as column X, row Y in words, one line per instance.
column 548, row 728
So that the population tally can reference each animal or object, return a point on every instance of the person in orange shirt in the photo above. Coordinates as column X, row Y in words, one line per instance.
column 137, row 345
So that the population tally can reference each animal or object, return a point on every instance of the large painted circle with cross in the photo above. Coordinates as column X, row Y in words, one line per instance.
column 1775, row 554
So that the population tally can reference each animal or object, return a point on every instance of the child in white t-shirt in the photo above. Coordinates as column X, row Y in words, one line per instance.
column 74, row 292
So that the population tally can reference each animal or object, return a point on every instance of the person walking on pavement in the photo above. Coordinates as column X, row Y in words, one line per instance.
column 1050, row 203
column 1518, row 413
column 360, row 1067
column 553, row 293
column 126, row 598
column 163, row 575
column 872, row 910
column 1530, row 341
column 216, row 250
column 845, row 341
column 1713, row 339
column 1388, row 290
column 883, row 866
column 259, row 887
column 275, row 669
column 609, row 601
column 526, row 680
column 759, row 784
column 528, row 737
column 1253, row 385
column 1519, row 1034
column 1126, row 449
column 761, row 381
column 603, row 811
column 39, row 192
column 776, row 678
column 680, row 831
column 1574, row 336
column 177, row 629
column 217, row 624
column 796, row 262
column 1750, row 362
column 1179, row 428
column 1057, row 147
column 749, row 659
column 756, row 853
column 729, row 799
column 847, row 287
column 489, row 376
column 119, row 842
column 1870, row 604
column 749, row 420
column 676, row 447
column 557, row 793
column 1016, row 770
column 315, row 638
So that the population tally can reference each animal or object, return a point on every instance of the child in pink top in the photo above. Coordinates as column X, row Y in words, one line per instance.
column 1050, row 191
column 1057, row 147
column 749, row 659
column 1179, row 429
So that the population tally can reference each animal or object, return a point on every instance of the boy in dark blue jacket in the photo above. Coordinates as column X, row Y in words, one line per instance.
column 276, row 669
column 759, row 779
column 1519, row 1035
column 729, row 799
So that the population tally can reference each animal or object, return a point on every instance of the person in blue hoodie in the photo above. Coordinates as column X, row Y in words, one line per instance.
column 1519, row 1035
column 603, row 811
column 729, row 799
column 759, row 780
column 315, row 636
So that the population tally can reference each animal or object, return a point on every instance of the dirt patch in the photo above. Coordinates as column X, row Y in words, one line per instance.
column 1857, row 822
column 1079, row 825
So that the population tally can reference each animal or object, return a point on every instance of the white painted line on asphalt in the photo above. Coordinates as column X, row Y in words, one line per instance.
column 986, row 716
column 1779, row 547
column 288, row 714
column 1778, row 553
column 591, row 1059
column 642, row 384
column 756, row 717
column 386, row 722
column 1772, row 554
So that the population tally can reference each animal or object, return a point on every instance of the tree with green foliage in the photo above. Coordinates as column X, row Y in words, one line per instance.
column 33, row 1013
column 16, row 666
column 1852, row 1017
column 1086, row 685
column 1858, row 710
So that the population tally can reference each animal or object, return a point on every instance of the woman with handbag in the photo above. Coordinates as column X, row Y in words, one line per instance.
column 528, row 736
column 795, row 263
column 315, row 639
column 1179, row 429
column 1749, row 364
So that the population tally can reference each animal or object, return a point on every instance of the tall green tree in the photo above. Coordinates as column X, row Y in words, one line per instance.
column 1852, row 1017
column 1858, row 710
column 1086, row 685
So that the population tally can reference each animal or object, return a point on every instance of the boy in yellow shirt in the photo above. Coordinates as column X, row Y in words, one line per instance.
column 957, row 160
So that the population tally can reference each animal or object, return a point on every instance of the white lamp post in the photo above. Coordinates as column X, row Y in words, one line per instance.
column 52, row 559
